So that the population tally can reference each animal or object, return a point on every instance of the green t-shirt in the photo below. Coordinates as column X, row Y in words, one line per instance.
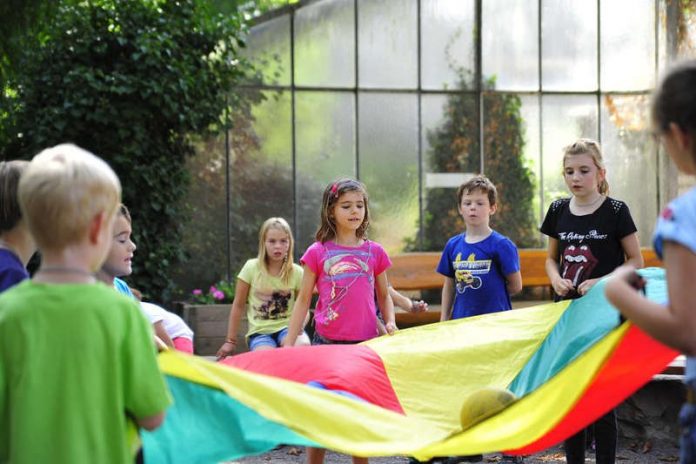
column 74, row 360
column 270, row 301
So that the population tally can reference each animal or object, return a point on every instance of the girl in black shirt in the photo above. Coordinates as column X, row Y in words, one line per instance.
column 590, row 235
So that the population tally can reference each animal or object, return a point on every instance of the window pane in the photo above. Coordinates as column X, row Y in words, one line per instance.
column 204, row 236
column 687, row 42
column 388, row 44
column 389, row 166
column 509, row 43
column 268, row 48
column 450, row 154
column 325, row 44
column 506, row 166
column 532, row 147
column 631, row 159
column 450, row 134
column 628, row 44
column 447, row 53
column 260, row 171
column 569, row 44
column 565, row 118
column 325, row 146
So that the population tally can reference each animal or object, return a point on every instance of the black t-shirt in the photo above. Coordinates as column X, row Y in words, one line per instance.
column 589, row 245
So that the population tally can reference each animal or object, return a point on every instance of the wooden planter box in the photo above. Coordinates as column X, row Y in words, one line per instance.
column 209, row 325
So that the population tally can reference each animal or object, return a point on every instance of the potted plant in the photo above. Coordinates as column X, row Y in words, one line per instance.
column 207, row 313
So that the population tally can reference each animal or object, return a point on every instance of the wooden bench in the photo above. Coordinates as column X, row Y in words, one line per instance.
column 416, row 272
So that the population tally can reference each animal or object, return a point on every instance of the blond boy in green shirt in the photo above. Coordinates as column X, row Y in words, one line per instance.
column 77, row 361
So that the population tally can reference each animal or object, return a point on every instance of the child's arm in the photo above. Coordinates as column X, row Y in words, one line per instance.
column 381, row 330
column 447, row 299
column 150, row 422
column 560, row 285
column 241, row 293
column 407, row 304
column 513, row 282
column 162, row 334
column 386, row 305
column 631, row 248
column 301, row 308
column 674, row 325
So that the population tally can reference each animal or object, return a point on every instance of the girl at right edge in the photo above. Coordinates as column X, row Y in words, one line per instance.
column 347, row 268
column 590, row 235
column 674, row 122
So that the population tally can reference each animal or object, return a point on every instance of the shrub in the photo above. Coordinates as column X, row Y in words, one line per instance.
column 130, row 81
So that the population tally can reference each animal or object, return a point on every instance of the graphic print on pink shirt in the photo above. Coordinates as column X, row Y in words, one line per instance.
column 343, row 270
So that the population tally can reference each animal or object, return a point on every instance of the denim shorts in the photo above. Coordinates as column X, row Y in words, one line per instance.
column 272, row 340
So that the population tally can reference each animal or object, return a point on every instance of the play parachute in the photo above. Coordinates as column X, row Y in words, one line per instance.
column 516, row 381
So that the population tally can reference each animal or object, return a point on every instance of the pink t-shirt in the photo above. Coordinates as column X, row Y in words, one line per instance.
column 346, row 308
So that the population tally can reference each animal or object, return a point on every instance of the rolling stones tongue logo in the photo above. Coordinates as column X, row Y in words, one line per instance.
column 578, row 263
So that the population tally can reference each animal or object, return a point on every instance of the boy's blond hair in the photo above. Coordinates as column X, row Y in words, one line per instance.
column 62, row 190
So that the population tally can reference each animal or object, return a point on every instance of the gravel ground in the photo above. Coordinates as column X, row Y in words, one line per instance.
column 631, row 453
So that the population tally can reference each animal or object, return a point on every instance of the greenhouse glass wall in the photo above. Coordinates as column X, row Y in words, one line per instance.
column 413, row 96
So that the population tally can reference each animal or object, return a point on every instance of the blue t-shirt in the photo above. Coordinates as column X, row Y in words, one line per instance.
column 479, row 271
column 677, row 223
column 123, row 288
column 12, row 270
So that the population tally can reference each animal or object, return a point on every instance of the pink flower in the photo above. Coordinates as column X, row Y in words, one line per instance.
column 218, row 295
column 213, row 289
column 197, row 292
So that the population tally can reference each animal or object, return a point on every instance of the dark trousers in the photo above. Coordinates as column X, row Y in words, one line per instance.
column 605, row 435
column 687, row 420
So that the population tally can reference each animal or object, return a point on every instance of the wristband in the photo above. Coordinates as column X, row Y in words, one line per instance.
column 231, row 340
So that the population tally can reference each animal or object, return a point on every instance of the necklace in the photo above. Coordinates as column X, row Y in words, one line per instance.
column 65, row 270
column 601, row 197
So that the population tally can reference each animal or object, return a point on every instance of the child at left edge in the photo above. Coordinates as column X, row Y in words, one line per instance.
column 481, row 266
column 16, row 243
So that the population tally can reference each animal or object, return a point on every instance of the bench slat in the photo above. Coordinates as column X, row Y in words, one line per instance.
column 416, row 271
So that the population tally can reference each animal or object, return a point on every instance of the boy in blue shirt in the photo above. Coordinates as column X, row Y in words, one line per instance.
column 481, row 266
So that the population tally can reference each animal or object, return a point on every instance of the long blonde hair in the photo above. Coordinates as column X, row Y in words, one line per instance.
column 332, row 192
column 281, row 224
column 592, row 148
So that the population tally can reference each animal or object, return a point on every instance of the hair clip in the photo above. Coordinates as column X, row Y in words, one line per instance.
column 334, row 189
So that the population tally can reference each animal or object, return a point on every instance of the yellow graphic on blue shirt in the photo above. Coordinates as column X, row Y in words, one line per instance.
column 465, row 271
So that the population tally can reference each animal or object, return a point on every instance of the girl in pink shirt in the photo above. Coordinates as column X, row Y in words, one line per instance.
column 347, row 269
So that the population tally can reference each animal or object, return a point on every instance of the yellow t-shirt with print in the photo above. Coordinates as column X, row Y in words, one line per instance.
column 270, row 301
